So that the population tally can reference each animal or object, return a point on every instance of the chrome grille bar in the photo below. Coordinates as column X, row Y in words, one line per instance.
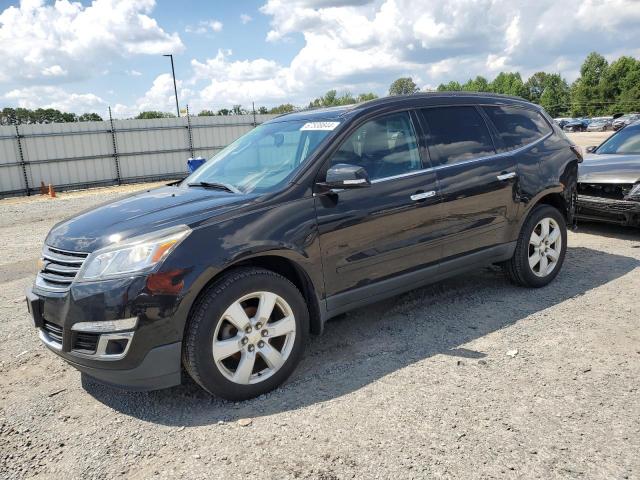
column 60, row 268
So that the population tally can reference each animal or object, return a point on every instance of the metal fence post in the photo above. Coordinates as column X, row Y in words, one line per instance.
column 115, row 148
column 22, row 162
column 191, row 151
column 253, row 107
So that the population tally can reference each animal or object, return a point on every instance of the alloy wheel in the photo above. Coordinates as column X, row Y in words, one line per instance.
column 254, row 338
column 545, row 245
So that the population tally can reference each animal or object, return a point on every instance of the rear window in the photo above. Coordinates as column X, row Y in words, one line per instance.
column 456, row 134
column 517, row 127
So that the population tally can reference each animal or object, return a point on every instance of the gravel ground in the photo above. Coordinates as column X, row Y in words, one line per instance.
column 417, row 386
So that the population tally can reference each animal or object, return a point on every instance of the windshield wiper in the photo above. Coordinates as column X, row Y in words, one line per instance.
column 218, row 186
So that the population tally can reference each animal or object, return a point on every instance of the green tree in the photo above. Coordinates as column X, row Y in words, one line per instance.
column 90, row 117
column 153, row 114
column 206, row 113
column 556, row 95
column 629, row 99
column 263, row 110
column 620, row 86
column 452, row 86
column 534, row 86
column 365, row 97
column 284, row 108
column 478, row 84
column 403, row 86
column 331, row 99
column 508, row 83
column 587, row 91
column 8, row 116
column 238, row 110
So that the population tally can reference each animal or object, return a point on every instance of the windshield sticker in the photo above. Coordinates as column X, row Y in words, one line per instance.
column 320, row 126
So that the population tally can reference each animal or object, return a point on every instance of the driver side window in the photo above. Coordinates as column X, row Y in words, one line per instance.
column 384, row 147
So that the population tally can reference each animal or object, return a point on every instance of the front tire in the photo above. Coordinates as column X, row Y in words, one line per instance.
column 246, row 334
column 540, row 248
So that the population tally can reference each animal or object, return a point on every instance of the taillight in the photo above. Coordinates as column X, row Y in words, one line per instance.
column 578, row 151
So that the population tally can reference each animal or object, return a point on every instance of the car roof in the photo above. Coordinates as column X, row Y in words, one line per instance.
column 417, row 100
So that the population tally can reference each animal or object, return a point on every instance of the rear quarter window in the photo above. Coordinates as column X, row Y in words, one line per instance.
column 517, row 127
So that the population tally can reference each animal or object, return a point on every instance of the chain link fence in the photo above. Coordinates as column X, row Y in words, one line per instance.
column 87, row 154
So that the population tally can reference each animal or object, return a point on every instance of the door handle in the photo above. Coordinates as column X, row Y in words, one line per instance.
column 422, row 195
column 506, row 176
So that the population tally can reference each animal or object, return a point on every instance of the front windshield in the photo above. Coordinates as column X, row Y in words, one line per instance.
column 262, row 159
column 625, row 141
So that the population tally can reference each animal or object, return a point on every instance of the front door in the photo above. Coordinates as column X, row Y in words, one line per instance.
column 370, row 234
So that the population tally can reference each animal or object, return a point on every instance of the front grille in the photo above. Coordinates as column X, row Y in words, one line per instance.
column 85, row 342
column 60, row 268
column 53, row 331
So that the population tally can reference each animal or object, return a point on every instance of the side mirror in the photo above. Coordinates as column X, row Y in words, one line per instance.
column 591, row 149
column 343, row 175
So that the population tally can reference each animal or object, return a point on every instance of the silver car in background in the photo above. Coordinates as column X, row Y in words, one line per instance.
column 609, row 180
column 600, row 124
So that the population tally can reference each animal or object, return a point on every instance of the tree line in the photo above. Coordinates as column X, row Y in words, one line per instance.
column 603, row 88
column 17, row 116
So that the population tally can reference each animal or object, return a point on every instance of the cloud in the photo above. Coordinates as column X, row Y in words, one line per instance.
column 43, row 42
column 55, row 97
column 358, row 45
column 350, row 45
column 159, row 97
column 205, row 26
column 133, row 73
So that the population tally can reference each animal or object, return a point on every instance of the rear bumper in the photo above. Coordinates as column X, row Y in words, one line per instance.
column 598, row 209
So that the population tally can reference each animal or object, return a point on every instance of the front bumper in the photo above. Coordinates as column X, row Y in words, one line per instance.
column 599, row 209
column 147, row 357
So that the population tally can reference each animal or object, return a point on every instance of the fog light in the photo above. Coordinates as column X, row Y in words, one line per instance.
column 106, row 326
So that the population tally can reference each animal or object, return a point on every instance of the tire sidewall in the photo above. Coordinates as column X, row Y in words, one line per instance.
column 209, row 315
column 538, row 214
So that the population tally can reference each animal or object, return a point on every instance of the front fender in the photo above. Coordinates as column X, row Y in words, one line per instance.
column 287, row 230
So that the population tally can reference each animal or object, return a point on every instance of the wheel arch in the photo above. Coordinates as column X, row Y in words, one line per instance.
column 557, row 200
column 281, row 264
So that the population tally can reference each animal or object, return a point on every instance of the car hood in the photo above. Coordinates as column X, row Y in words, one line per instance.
column 142, row 213
column 609, row 168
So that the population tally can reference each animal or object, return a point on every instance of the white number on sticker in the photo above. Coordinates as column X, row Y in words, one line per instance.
column 320, row 126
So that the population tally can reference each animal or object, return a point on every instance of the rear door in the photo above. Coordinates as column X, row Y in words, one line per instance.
column 520, row 135
column 477, row 183
column 371, row 234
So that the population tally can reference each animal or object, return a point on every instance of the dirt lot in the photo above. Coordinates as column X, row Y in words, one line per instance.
column 418, row 386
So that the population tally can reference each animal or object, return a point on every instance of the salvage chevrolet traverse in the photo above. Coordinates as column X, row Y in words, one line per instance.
column 307, row 216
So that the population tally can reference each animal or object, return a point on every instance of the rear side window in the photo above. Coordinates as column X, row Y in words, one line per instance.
column 517, row 127
column 456, row 134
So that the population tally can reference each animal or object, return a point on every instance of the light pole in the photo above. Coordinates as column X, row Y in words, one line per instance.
column 175, row 89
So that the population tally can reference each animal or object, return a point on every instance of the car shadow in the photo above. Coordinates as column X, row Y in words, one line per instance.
column 609, row 230
column 364, row 346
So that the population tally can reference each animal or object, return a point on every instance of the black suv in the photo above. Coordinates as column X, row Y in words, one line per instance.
column 307, row 216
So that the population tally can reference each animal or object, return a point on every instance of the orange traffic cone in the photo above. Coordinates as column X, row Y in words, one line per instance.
column 52, row 191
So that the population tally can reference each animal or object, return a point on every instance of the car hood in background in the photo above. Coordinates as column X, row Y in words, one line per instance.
column 141, row 213
column 610, row 168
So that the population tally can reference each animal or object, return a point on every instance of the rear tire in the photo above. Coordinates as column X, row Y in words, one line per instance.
column 540, row 249
column 246, row 334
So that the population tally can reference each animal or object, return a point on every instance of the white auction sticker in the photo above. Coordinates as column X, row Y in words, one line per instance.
column 320, row 126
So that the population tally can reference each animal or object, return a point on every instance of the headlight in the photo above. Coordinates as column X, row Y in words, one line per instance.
column 133, row 256
column 634, row 193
